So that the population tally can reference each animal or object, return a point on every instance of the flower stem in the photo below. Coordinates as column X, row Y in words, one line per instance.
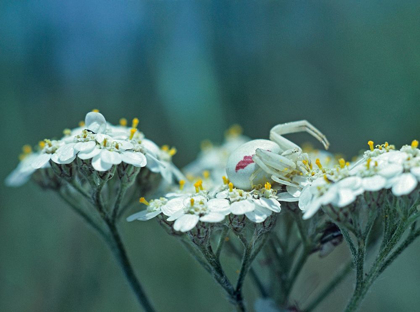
column 120, row 253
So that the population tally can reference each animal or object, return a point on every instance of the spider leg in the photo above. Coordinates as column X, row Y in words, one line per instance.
column 293, row 127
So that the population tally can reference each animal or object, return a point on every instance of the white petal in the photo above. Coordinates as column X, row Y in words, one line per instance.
column 153, row 164
column 405, row 184
column 41, row 161
column 99, row 165
column 143, row 215
column 293, row 190
column 213, row 217
column 345, row 197
column 242, row 207
column 113, row 158
column 330, row 196
column 391, row 170
column 95, row 122
column 397, row 157
column 124, row 145
column 186, row 223
column 66, row 152
column 135, row 159
column 173, row 206
column 270, row 203
column 286, row 197
column 305, row 198
column 312, row 208
column 374, row 183
column 176, row 215
column 89, row 155
column 18, row 177
column 416, row 172
column 223, row 194
column 259, row 214
column 219, row 205
column 350, row 182
column 85, row 147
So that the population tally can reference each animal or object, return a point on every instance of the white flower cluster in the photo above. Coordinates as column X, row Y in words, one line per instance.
column 187, row 209
column 102, row 143
column 382, row 167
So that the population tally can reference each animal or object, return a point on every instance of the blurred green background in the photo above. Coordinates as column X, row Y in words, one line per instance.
column 188, row 70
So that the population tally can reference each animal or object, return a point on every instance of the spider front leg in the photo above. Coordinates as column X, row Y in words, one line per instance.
column 293, row 127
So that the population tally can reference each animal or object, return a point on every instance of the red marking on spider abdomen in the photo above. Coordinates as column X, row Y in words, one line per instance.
column 244, row 163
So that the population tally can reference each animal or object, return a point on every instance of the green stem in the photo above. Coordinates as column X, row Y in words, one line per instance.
column 252, row 272
column 121, row 255
column 121, row 193
column 222, row 239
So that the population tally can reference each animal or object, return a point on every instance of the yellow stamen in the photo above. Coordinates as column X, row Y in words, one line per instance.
column 376, row 163
column 386, row 145
column 225, row 180
column 95, row 110
column 205, row 145
column 347, row 163
column 326, row 179
column 172, row 151
column 267, row 186
column 206, row 174
column 123, row 122
column 198, row 185
column 135, row 122
column 415, row 144
column 240, row 192
column 370, row 143
column 22, row 156
column 144, row 201
column 190, row 177
column 230, row 186
column 227, row 238
column 368, row 163
column 342, row 163
column 165, row 148
column 41, row 144
column 318, row 163
column 181, row 184
column 81, row 123
column 327, row 160
column 132, row 131
column 305, row 162
column 192, row 201
column 105, row 142
column 66, row 131
column 234, row 131
column 27, row 149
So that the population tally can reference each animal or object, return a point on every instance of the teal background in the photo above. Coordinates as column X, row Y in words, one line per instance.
column 188, row 70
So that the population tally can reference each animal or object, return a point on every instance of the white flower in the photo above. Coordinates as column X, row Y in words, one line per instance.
column 154, row 208
column 390, row 169
column 48, row 152
column 109, row 152
column 23, row 171
column 322, row 192
column 197, row 208
column 257, row 205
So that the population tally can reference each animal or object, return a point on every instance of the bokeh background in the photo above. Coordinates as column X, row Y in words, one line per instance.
column 188, row 70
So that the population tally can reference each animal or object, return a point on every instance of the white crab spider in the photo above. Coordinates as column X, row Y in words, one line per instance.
column 278, row 159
